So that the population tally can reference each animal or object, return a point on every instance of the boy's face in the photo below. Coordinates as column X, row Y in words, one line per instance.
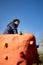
column 16, row 22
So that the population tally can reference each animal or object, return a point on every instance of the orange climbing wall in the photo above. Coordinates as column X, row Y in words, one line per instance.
column 18, row 49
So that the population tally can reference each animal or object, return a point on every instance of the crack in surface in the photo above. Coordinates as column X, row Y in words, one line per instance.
column 19, row 62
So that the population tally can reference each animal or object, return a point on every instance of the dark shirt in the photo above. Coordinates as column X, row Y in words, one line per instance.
column 11, row 29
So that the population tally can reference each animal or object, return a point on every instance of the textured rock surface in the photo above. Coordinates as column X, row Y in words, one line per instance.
column 18, row 49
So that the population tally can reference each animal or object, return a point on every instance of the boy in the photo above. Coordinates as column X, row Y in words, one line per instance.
column 12, row 27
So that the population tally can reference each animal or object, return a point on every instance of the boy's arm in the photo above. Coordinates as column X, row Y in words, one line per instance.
column 7, row 31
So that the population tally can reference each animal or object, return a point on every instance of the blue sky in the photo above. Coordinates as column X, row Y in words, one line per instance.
column 29, row 12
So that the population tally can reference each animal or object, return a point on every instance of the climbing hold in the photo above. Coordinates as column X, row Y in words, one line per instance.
column 21, row 33
column 22, row 54
column 37, row 46
column 6, row 45
column 6, row 57
column 31, row 42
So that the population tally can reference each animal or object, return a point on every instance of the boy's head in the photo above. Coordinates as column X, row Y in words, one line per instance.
column 16, row 21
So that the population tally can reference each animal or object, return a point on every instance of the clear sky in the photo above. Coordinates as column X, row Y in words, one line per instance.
column 29, row 12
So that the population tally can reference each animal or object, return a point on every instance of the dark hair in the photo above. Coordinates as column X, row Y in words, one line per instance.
column 16, row 20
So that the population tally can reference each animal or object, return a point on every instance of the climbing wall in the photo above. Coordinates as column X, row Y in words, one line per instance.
column 18, row 49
